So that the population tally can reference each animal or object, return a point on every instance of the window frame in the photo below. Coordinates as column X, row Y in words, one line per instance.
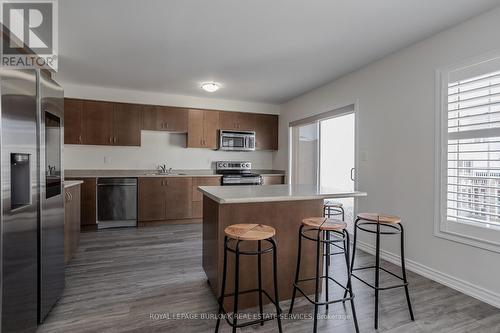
column 466, row 233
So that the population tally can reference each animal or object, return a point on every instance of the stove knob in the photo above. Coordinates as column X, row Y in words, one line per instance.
column 225, row 165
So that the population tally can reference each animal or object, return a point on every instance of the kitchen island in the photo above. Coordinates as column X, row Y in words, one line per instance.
column 281, row 206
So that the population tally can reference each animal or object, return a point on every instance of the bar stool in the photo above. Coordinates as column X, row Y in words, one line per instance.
column 384, row 225
column 237, row 234
column 331, row 209
column 315, row 229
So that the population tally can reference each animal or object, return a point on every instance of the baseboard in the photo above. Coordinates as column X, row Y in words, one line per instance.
column 465, row 287
column 165, row 222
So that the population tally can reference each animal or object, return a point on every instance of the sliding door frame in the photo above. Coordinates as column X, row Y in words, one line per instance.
column 341, row 110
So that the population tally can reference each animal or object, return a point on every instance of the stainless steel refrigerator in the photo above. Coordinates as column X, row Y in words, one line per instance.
column 32, row 206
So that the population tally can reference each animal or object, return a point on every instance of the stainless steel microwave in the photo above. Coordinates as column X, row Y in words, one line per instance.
column 237, row 140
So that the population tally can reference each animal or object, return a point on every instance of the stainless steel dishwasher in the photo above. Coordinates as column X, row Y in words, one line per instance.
column 116, row 202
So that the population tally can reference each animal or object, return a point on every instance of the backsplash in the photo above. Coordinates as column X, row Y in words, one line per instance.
column 156, row 148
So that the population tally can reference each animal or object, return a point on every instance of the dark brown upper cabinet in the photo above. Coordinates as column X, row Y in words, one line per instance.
column 107, row 123
column 266, row 132
column 98, row 122
column 73, row 121
column 237, row 121
column 202, row 129
column 101, row 123
column 127, row 124
column 164, row 118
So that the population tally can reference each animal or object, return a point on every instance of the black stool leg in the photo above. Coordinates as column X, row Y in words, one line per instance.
column 316, row 293
column 223, row 286
column 353, row 250
column 349, row 285
column 236, row 285
column 403, row 268
column 343, row 213
column 259, row 272
column 276, row 296
column 327, row 248
column 297, row 271
column 327, row 266
column 377, row 267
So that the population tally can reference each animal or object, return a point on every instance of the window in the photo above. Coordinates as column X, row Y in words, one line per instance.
column 468, row 126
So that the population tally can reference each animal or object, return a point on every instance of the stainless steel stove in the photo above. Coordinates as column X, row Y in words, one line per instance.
column 237, row 173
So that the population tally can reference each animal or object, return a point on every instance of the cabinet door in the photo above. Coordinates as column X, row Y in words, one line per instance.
column 266, row 132
column 172, row 119
column 98, row 122
column 273, row 180
column 88, row 199
column 211, row 129
column 151, row 198
column 179, row 198
column 203, row 181
column 149, row 118
column 73, row 123
column 198, row 197
column 246, row 121
column 127, row 125
column 228, row 121
column 195, row 129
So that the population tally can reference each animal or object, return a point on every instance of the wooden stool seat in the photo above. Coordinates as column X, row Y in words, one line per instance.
column 381, row 218
column 323, row 223
column 250, row 232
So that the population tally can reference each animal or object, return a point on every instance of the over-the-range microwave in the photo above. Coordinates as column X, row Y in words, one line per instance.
column 236, row 140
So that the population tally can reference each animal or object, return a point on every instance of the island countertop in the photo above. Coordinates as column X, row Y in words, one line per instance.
column 274, row 193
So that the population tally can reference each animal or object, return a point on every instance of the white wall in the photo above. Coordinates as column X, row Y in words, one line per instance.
column 158, row 147
column 396, row 132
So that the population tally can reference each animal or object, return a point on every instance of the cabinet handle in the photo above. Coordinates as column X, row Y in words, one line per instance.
column 114, row 140
column 80, row 139
column 166, row 125
column 110, row 140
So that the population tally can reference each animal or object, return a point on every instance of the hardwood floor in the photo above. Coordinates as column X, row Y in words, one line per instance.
column 129, row 280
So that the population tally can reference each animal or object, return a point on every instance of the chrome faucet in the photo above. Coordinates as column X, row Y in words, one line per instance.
column 162, row 168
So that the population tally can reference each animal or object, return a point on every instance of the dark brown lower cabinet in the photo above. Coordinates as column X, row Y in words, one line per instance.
column 151, row 199
column 178, row 198
column 72, row 216
column 198, row 196
column 88, row 216
column 165, row 198
column 273, row 179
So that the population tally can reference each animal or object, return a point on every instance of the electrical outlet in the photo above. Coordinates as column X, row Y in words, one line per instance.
column 106, row 159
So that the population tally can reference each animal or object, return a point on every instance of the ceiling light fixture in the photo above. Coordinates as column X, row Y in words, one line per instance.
column 210, row 86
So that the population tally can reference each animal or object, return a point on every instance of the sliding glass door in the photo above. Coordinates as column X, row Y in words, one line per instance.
column 323, row 153
column 305, row 156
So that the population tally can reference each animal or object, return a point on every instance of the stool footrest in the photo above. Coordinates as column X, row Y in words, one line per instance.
column 379, row 288
column 295, row 285
column 381, row 268
column 324, row 303
column 248, row 292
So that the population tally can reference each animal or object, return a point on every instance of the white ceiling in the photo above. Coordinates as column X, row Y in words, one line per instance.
column 260, row 50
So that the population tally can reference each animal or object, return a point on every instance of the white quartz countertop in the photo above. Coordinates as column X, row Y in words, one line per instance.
column 154, row 173
column 70, row 183
column 270, row 193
